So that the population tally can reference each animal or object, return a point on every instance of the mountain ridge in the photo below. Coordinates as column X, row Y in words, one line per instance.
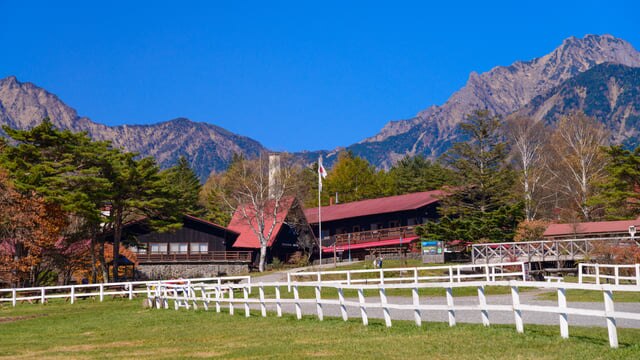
column 207, row 147
column 502, row 90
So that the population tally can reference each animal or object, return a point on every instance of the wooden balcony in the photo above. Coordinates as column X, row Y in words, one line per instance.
column 375, row 235
column 210, row 256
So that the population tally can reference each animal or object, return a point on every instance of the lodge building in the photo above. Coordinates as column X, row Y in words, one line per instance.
column 358, row 228
column 199, row 248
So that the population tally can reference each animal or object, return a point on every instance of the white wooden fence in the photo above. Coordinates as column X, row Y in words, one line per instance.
column 542, row 250
column 124, row 289
column 609, row 273
column 452, row 273
column 207, row 295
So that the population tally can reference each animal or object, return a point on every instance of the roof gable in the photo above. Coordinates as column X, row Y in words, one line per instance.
column 375, row 206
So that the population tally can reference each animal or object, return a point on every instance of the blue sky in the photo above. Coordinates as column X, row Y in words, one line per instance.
column 292, row 75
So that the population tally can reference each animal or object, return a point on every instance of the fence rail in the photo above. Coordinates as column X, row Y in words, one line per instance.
column 540, row 251
column 609, row 273
column 127, row 289
column 205, row 295
column 374, row 235
column 227, row 256
column 453, row 273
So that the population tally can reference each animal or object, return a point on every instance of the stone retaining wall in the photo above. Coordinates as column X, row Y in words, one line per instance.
column 174, row 271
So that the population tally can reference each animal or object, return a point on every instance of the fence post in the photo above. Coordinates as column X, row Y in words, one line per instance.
column 482, row 300
column 278, row 304
column 348, row 277
column 165, row 298
column 486, row 272
column 415, row 275
column 385, row 309
column 524, row 272
column 249, row 282
column 72, row 296
column 205, row 298
column 451, row 311
column 616, row 273
column 363, row 308
column 580, row 266
column 218, row 296
column 416, row 304
column 245, row 292
column 381, row 276
column 611, row 320
column 450, row 274
column 289, row 282
column 319, row 303
column 130, row 291
column 564, row 321
column 102, row 291
column 263, row 307
column 597, row 266
column 517, row 313
column 13, row 297
column 296, row 296
column 458, row 273
column 43, row 298
column 231, row 300
column 343, row 307
column 637, row 274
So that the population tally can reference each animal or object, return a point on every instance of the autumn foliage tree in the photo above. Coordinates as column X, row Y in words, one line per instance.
column 26, row 232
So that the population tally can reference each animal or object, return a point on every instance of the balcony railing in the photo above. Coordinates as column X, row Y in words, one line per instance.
column 375, row 235
column 222, row 256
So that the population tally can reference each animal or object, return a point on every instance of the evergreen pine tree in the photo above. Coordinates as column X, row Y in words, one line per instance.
column 481, row 208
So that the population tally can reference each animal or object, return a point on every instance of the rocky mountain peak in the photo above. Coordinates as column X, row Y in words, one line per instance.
column 503, row 90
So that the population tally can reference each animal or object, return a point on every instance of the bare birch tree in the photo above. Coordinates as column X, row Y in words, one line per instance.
column 528, row 139
column 578, row 160
column 256, row 199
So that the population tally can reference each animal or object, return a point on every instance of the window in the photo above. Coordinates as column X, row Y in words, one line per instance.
column 394, row 223
column 178, row 248
column 356, row 228
column 158, row 248
column 376, row 226
column 411, row 222
column 139, row 250
column 198, row 248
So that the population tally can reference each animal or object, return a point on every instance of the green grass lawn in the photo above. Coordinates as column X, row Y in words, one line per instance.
column 123, row 329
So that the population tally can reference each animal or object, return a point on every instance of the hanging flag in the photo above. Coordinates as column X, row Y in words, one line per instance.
column 322, row 173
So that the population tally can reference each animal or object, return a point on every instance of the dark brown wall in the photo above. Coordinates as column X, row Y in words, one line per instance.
column 192, row 231
column 423, row 214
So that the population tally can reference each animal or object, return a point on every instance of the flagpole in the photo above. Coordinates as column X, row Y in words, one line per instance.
column 319, row 214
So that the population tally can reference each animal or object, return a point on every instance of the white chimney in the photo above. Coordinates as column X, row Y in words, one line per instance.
column 274, row 174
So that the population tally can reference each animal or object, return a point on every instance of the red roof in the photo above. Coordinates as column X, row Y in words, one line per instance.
column 591, row 227
column 370, row 244
column 245, row 226
column 375, row 206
